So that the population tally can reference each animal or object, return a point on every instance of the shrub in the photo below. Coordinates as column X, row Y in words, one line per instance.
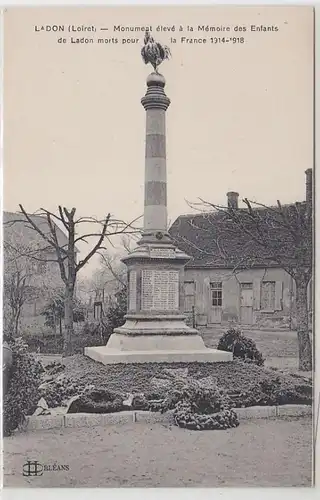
column 58, row 392
column 272, row 392
column 53, row 310
column 140, row 402
column 54, row 368
column 98, row 400
column 23, row 393
column 79, row 342
column 99, row 330
column 54, row 344
column 242, row 347
column 197, row 406
column 117, row 310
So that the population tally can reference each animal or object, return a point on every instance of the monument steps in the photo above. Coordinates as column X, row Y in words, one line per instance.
column 107, row 356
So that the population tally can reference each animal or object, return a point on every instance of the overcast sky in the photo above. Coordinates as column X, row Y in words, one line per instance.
column 240, row 117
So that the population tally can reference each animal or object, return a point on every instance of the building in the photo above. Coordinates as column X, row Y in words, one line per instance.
column 40, row 279
column 219, row 290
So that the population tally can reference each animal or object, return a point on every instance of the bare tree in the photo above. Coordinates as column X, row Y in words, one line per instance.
column 15, row 287
column 112, row 270
column 111, row 275
column 65, row 254
column 260, row 235
column 23, row 279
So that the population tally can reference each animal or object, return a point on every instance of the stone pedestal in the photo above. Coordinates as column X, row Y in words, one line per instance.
column 155, row 328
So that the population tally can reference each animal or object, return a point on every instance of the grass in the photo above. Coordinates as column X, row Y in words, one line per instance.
column 273, row 344
column 258, row 453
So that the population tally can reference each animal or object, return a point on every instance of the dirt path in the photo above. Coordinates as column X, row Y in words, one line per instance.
column 258, row 453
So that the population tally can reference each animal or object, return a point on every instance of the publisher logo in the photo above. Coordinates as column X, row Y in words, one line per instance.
column 32, row 468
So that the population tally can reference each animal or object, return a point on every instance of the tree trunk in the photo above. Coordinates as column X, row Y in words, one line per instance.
column 54, row 322
column 68, row 321
column 302, row 316
column 16, row 322
column 60, row 324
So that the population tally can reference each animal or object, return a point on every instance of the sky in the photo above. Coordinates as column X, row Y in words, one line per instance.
column 241, row 114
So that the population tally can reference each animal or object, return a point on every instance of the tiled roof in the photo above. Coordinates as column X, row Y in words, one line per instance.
column 213, row 241
column 24, row 230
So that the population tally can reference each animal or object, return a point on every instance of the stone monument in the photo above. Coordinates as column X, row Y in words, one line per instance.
column 155, row 328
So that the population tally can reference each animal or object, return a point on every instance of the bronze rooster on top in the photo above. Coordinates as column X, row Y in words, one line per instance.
column 153, row 52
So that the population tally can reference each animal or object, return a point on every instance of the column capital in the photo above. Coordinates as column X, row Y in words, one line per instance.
column 155, row 97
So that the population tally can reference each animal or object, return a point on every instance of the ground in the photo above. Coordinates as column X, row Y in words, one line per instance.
column 273, row 452
column 257, row 453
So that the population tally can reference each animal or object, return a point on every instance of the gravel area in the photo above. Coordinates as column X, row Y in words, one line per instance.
column 258, row 453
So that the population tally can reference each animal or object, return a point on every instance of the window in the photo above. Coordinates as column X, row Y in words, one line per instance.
column 246, row 286
column 42, row 267
column 268, row 295
column 38, row 266
column 216, row 293
column 189, row 293
column 246, row 296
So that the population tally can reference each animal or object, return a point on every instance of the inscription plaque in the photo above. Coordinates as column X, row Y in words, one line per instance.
column 162, row 252
column 160, row 290
column 133, row 290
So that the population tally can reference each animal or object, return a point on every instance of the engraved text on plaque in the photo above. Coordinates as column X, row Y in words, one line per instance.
column 160, row 290
column 162, row 252
column 133, row 290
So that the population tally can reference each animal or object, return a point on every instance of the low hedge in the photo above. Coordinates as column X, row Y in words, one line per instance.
column 54, row 345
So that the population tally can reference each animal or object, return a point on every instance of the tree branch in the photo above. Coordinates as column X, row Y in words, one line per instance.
column 96, row 247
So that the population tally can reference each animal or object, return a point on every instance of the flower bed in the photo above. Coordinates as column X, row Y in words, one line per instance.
column 236, row 378
column 201, row 395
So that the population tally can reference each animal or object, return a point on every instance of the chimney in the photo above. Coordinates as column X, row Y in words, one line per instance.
column 232, row 199
column 308, row 173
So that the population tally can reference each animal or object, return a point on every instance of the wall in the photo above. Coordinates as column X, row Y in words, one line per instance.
column 45, row 281
column 281, row 315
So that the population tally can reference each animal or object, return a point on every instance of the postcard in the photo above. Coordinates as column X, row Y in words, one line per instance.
column 158, row 226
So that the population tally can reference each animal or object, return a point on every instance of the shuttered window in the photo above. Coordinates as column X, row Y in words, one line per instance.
column 268, row 295
column 189, row 296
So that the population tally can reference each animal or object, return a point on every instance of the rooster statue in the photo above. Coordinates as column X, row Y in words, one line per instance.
column 153, row 52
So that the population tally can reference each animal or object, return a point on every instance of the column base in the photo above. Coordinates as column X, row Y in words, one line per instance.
column 108, row 356
column 153, row 342
column 142, row 325
column 122, row 348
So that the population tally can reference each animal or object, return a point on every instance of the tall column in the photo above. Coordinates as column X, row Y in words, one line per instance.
column 155, row 102
column 155, row 329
